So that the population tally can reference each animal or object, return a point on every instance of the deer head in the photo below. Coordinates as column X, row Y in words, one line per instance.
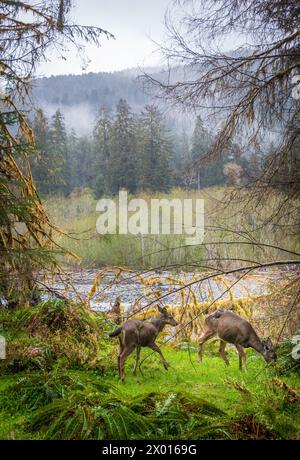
column 167, row 317
column 268, row 351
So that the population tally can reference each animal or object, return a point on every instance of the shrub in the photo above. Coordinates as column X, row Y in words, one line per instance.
column 37, row 337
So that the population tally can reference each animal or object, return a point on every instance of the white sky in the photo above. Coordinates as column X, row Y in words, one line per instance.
column 133, row 22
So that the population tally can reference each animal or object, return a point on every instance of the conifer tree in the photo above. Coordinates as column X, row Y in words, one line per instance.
column 101, row 181
column 123, row 160
column 40, row 161
column 57, row 173
column 72, row 161
column 79, row 162
column 205, row 173
column 156, row 151
column 181, row 159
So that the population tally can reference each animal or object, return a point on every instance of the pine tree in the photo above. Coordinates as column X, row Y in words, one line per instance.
column 181, row 159
column 72, row 164
column 85, row 163
column 57, row 173
column 207, row 172
column 40, row 161
column 156, row 150
column 123, row 168
column 200, row 146
column 101, row 180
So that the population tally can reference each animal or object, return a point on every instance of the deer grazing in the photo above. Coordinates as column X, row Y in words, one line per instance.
column 231, row 328
column 136, row 334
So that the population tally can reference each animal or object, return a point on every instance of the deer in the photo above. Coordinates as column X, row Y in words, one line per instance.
column 231, row 328
column 134, row 334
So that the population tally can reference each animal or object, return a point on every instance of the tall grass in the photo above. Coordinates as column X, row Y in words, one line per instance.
column 77, row 216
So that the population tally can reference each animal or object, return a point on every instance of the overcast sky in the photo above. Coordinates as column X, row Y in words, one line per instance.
column 133, row 22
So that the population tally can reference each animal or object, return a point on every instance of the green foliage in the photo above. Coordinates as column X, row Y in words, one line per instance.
column 67, row 405
column 65, row 398
column 284, row 354
column 129, row 151
column 102, row 153
column 89, row 414
column 208, row 402
column 77, row 214
column 25, row 231
column 37, row 337
column 155, row 151
column 50, row 165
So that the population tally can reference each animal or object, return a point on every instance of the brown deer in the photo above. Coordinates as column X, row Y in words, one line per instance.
column 231, row 328
column 136, row 334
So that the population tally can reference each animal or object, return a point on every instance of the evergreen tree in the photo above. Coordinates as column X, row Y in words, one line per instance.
column 181, row 159
column 58, row 178
column 207, row 172
column 85, row 163
column 156, row 147
column 72, row 164
column 123, row 168
column 28, row 29
column 101, row 181
column 79, row 165
column 40, row 161
column 201, row 142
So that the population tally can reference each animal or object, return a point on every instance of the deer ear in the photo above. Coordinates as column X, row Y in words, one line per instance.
column 160, row 309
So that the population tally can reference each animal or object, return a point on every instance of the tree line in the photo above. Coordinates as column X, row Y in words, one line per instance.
column 127, row 151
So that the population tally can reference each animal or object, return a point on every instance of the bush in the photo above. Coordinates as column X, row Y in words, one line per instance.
column 37, row 337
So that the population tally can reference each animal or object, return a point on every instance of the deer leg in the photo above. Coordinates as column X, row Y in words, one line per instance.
column 138, row 353
column 121, row 349
column 223, row 353
column 242, row 357
column 125, row 353
column 154, row 347
column 203, row 338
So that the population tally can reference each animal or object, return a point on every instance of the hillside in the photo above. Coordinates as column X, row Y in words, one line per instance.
column 79, row 97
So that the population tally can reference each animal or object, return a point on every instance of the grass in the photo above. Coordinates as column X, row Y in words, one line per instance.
column 59, row 381
column 238, row 394
column 77, row 216
column 187, row 401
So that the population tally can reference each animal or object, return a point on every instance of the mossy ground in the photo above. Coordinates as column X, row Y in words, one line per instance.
column 252, row 405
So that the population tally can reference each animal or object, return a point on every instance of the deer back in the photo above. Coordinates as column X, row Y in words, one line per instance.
column 139, row 332
column 234, row 329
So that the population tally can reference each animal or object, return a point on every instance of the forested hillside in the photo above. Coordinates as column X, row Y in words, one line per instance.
column 93, row 89
column 79, row 97
column 104, row 132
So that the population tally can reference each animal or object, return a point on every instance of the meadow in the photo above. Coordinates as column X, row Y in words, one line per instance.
column 226, row 220
column 59, row 381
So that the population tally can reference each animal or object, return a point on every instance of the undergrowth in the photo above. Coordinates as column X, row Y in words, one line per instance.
column 71, row 390
column 77, row 215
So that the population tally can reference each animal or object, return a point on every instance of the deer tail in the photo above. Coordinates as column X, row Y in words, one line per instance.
column 116, row 332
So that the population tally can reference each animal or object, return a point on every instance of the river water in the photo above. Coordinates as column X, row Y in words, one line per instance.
column 141, row 288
